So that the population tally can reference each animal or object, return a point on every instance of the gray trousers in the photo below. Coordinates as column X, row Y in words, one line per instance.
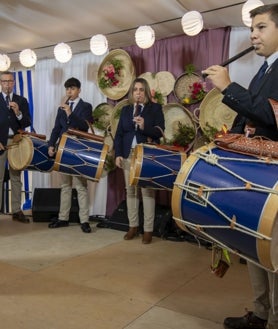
column 265, row 289
column 16, row 184
column 80, row 183
column 132, row 200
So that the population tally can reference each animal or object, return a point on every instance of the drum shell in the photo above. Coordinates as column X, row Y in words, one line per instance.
column 30, row 153
column 80, row 157
column 155, row 167
column 253, row 210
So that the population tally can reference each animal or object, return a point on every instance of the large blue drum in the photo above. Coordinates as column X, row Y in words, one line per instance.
column 79, row 156
column 31, row 153
column 232, row 199
column 155, row 167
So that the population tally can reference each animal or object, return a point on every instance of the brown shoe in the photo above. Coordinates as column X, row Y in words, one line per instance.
column 132, row 232
column 20, row 217
column 147, row 237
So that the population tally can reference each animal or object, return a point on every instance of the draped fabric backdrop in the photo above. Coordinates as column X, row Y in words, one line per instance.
column 171, row 54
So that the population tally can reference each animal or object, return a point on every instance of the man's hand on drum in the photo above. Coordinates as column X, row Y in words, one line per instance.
column 51, row 151
column 219, row 76
column 119, row 162
column 2, row 147
column 139, row 122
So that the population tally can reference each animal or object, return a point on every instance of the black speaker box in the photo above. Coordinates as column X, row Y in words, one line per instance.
column 46, row 204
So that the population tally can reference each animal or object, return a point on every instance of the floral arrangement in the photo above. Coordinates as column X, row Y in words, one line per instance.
column 157, row 97
column 99, row 120
column 197, row 90
column 110, row 74
column 183, row 136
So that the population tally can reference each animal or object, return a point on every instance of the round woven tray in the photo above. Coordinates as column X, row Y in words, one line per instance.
column 182, row 84
column 126, row 77
column 214, row 113
column 151, row 79
column 173, row 114
column 116, row 116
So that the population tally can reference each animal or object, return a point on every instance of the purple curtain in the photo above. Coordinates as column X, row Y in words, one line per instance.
column 172, row 55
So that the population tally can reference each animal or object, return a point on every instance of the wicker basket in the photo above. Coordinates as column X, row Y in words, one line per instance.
column 182, row 86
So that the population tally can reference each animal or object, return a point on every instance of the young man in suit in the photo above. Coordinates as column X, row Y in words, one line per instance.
column 74, row 113
column 138, row 122
column 256, row 117
column 14, row 116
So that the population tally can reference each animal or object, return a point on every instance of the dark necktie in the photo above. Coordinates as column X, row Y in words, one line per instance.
column 71, row 105
column 8, row 101
column 138, row 109
column 258, row 77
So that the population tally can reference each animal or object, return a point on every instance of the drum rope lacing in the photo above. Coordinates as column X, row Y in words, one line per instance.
column 199, row 193
column 171, row 171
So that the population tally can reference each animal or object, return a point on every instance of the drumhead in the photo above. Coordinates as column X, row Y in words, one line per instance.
column 20, row 153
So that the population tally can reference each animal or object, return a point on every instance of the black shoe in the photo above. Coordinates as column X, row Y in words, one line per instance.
column 85, row 227
column 58, row 223
column 248, row 321
column 20, row 217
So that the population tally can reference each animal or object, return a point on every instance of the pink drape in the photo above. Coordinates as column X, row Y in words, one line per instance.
column 172, row 55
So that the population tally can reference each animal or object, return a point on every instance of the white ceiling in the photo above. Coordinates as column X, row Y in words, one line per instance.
column 41, row 24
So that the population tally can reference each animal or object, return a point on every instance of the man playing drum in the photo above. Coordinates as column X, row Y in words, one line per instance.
column 256, row 117
column 74, row 113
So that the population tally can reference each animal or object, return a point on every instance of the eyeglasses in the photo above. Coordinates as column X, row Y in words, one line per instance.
column 7, row 81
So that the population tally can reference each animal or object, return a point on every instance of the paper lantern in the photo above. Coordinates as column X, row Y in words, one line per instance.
column 5, row 62
column 62, row 52
column 27, row 58
column 192, row 23
column 98, row 44
column 246, row 8
column 144, row 37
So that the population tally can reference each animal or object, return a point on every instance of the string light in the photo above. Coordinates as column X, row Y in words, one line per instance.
column 144, row 37
column 246, row 8
column 27, row 58
column 98, row 44
column 192, row 23
column 5, row 62
column 62, row 52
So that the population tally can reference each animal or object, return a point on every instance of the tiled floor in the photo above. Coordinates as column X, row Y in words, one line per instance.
column 65, row 279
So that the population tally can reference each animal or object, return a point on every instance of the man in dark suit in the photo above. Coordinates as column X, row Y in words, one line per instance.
column 138, row 123
column 73, row 113
column 256, row 117
column 14, row 115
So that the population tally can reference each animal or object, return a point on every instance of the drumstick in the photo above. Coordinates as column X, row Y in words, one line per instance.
column 234, row 58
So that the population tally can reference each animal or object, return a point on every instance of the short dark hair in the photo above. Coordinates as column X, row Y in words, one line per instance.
column 272, row 10
column 72, row 82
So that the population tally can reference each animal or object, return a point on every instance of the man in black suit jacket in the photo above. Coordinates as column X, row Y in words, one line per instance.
column 75, row 114
column 134, row 128
column 256, row 117
column 14, row 115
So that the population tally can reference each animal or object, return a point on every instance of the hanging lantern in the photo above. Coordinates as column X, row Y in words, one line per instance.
column 144, row 37
column 27, row 58
column 246, row 8
column 62, row 52
column 192, row 23
column 98, row 44
column 5, row 62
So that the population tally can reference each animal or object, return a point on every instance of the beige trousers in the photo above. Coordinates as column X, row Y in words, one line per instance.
column 132, row 201
column 16, row 184
column 80, row 183
column 265, row 289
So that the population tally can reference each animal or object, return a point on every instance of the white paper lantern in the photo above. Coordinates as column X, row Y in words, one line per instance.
column 98, row 44
column 246, row 8
column 144, row 37
column 192, row 23
column 5, row 62
column 62, row 52
column 27, row 58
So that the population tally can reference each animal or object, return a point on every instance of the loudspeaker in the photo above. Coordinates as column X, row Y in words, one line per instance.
column 46, row 204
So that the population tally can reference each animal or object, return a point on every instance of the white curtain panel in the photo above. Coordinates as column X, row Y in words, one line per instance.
column 49, row 91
